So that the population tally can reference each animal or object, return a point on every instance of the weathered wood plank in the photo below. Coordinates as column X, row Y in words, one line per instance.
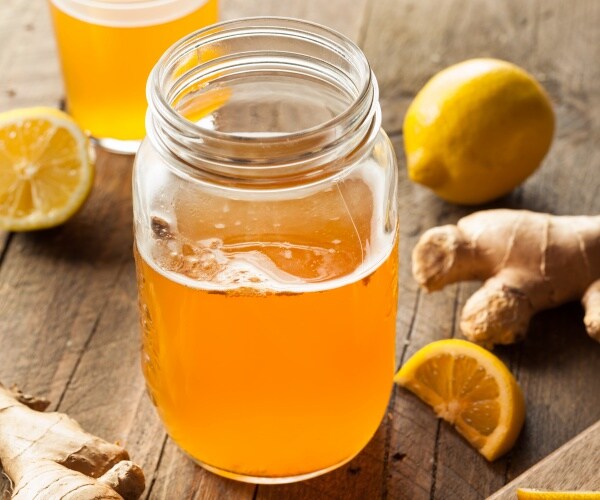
column 48, row 306
column 407, row 43
column 107, row 381
column 573, row 467
column 412, row 437
column 29, row 68
column 559, row 360
column 55, row 287
column 27, row 64
column 430, row 446
column 346, row 17
column 5, row 238
column 68, row 321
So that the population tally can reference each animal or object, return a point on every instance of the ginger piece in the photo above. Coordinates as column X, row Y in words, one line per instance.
column 529, row 261
column 48, row 455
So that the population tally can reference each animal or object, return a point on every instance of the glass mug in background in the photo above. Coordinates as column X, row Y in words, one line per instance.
column 266, row 249
column 107, row 49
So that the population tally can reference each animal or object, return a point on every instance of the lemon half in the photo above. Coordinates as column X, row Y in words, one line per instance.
column 45, row 168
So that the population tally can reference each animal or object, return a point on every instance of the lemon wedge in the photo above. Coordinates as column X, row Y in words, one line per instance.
column 470, row 388
column 534, row 494
column 45, row 168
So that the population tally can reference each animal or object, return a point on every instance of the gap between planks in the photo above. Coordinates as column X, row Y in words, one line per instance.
column 438, row 430
column 6, row 240
column 389, row 426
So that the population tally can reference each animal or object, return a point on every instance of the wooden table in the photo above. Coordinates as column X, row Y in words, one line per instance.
column 68, row 318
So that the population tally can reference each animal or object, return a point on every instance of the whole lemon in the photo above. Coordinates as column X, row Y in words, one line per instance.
column 476, row 130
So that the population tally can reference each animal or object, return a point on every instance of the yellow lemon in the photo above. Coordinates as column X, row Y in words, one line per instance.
column 531, row 494
column 45, row 169
column 477, row 130
column 470, row 388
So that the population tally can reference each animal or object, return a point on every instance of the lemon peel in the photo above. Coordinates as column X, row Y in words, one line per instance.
column 477, row 130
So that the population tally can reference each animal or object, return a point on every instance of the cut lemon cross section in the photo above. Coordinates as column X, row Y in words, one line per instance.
column 45, row 168
column 470, row 388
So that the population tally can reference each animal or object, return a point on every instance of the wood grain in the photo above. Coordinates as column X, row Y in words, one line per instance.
column 28, row 63
column 347, row 17
column 573, row 467
column 420, row 43
column 68, row 319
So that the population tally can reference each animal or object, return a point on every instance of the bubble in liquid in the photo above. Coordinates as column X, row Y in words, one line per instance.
column 169, row 260
column 201, row 263
column 187, row 250
column 212, row 243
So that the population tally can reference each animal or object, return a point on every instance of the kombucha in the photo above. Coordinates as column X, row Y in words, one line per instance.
column 106, row 61
column 266, row 355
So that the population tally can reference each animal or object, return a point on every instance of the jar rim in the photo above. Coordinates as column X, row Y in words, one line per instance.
column 220, row 30
column 308, row 151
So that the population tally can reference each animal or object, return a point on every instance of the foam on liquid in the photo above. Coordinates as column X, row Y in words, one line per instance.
column 128, row 14
column 212, row 265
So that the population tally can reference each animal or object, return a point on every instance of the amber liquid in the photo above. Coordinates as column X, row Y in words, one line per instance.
column 105, row 68
column 269, row 384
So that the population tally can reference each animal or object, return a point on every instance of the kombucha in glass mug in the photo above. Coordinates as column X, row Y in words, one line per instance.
column 107, row 50
column 266, row 249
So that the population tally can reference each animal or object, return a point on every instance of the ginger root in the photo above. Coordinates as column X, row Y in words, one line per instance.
column 529, row 261
column 48, row 455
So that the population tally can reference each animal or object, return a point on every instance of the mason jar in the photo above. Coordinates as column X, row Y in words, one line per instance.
column 266, row 234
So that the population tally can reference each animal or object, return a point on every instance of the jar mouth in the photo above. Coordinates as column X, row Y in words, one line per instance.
column 264, row 92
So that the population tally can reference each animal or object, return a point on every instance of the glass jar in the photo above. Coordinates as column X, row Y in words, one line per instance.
column 266, row 247
column 107, row 49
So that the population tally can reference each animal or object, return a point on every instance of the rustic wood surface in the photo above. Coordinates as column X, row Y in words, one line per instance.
column 573, row 467
column 68, row 319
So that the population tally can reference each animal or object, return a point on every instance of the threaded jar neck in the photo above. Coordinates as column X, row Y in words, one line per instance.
column 262, row 101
